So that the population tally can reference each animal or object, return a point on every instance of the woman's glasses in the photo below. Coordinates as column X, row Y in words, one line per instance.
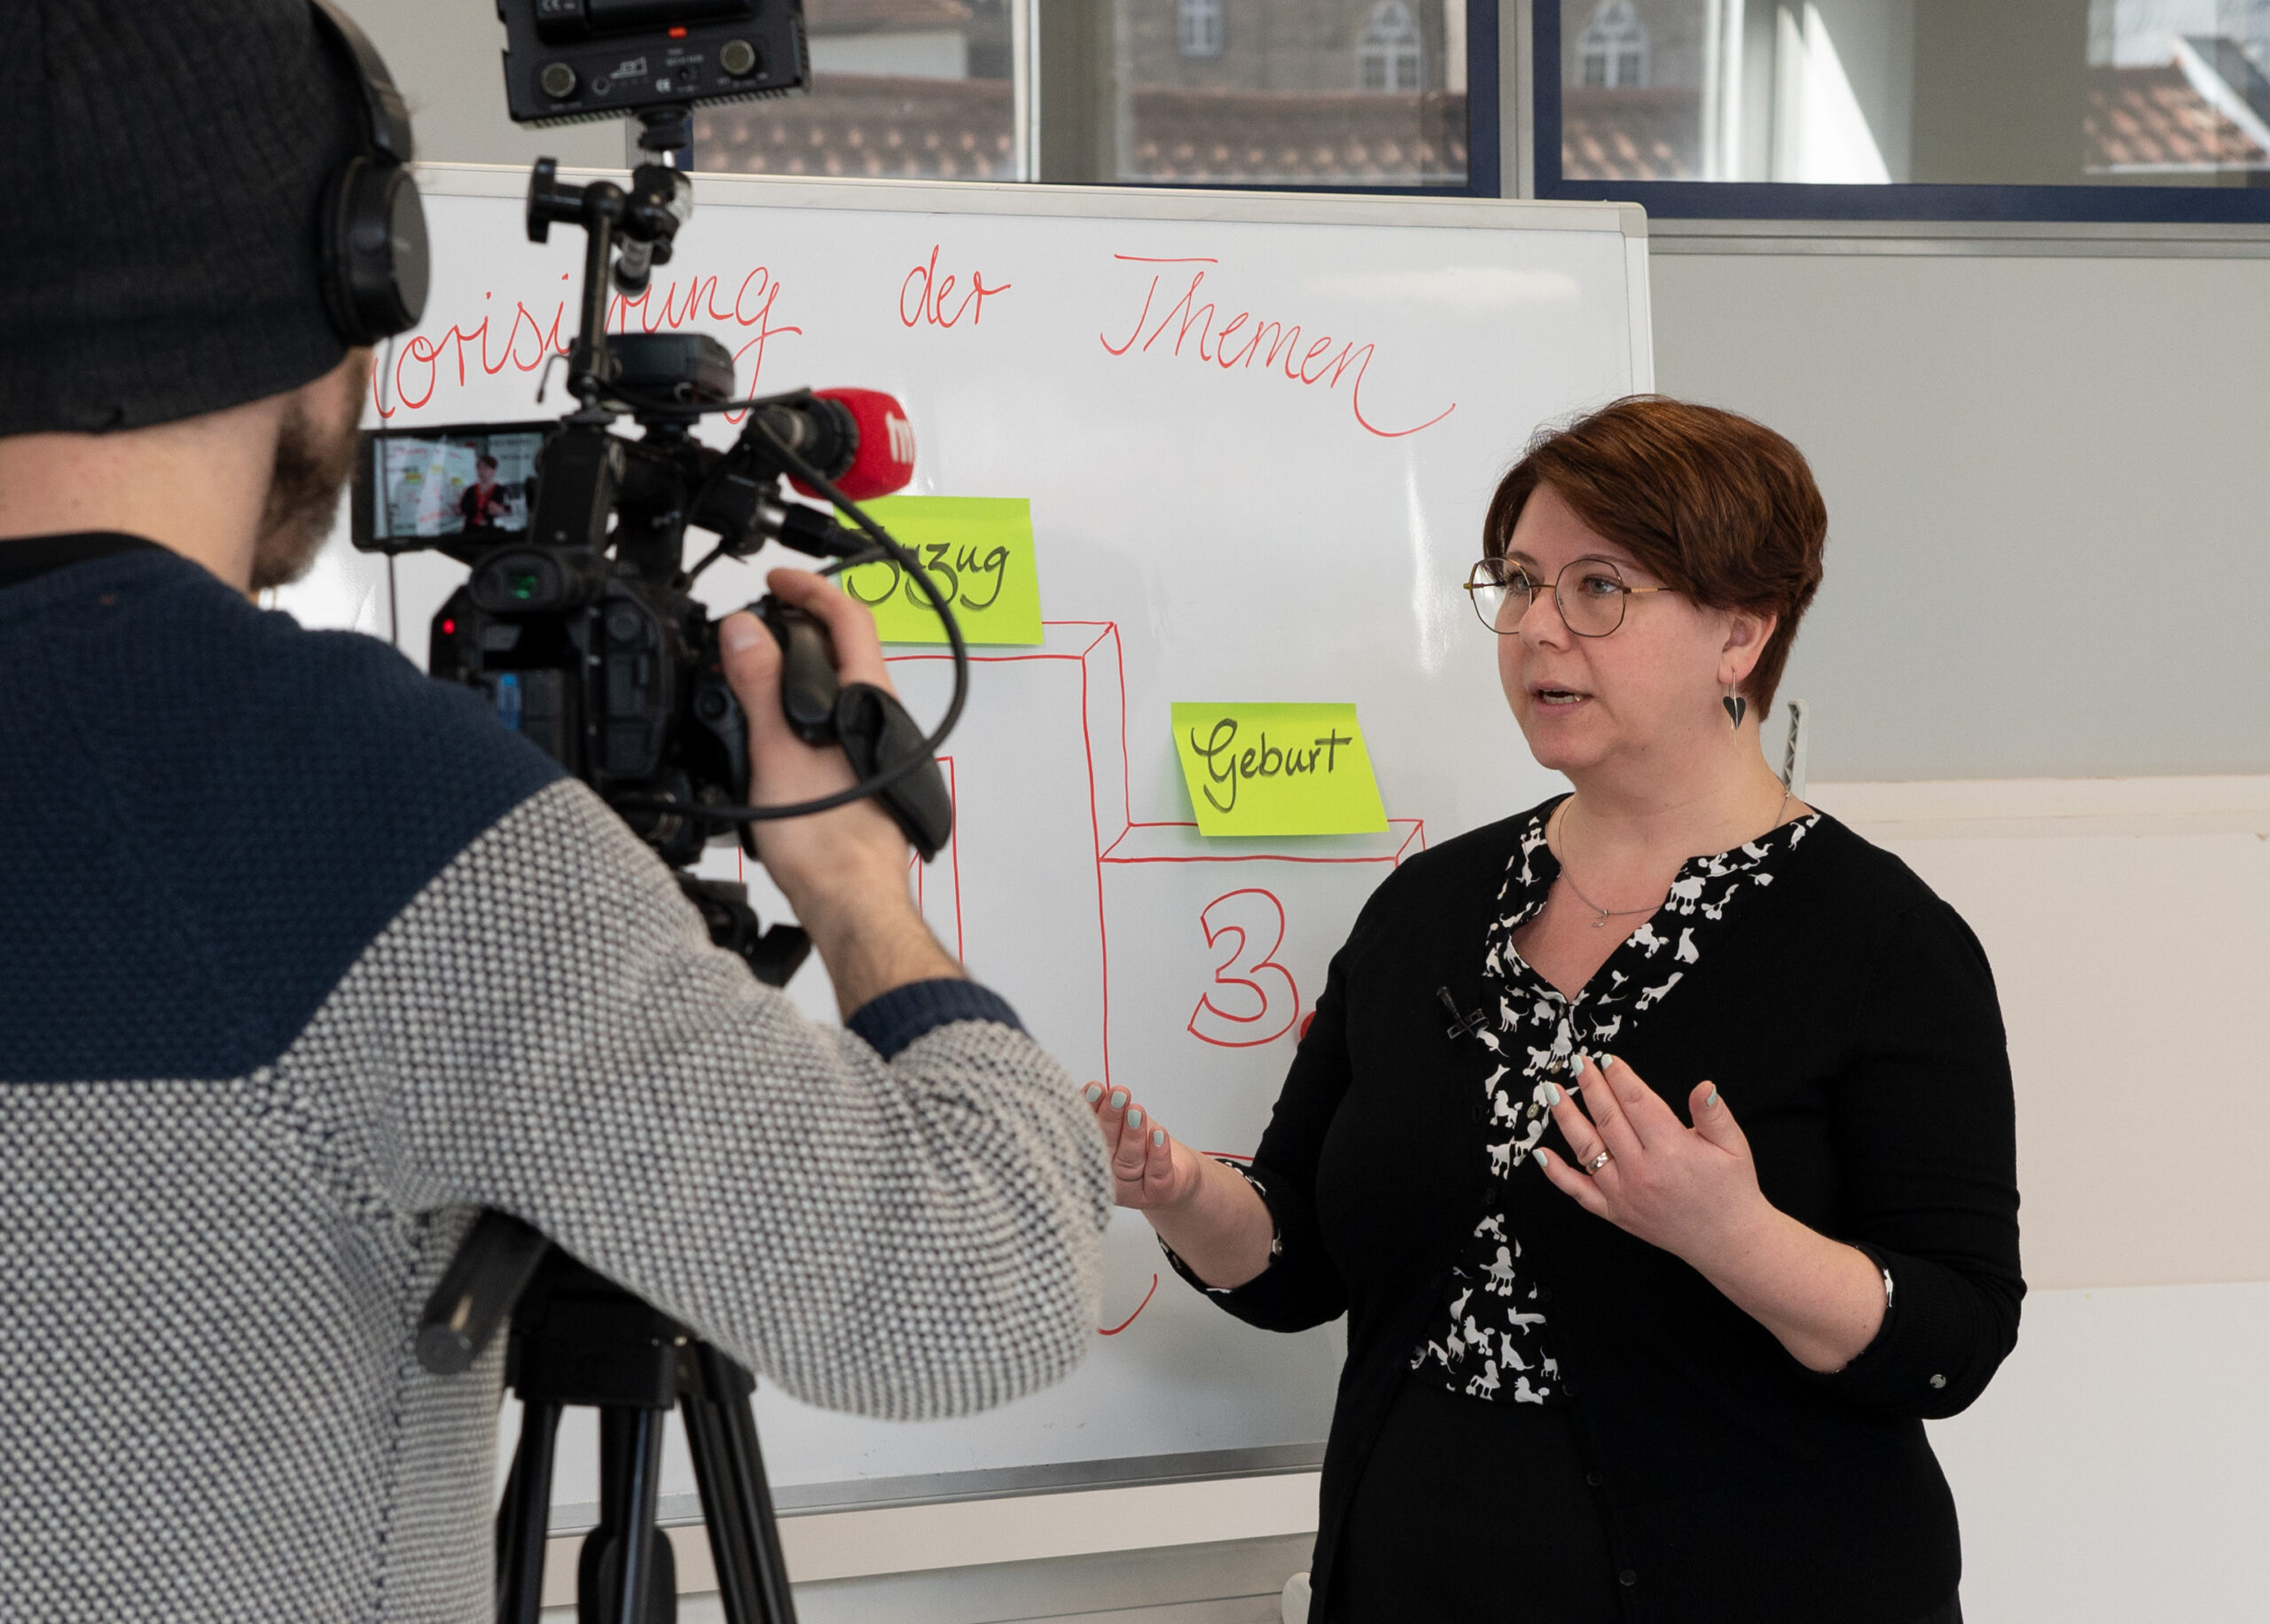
column 1590, row 593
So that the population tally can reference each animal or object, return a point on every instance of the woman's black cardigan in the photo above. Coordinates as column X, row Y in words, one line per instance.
column 1849, row 1017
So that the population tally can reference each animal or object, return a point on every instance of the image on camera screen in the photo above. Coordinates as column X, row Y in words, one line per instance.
column 455, row 483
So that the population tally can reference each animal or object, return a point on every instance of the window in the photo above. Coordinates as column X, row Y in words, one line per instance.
column 900, row 89
column 1130, row 91
column 2059, row 109
column 1200, row 28
column 1388, row 51
column 1276, row 106
column 1613, row 50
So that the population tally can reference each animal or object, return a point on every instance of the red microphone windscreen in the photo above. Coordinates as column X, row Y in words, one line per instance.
column 886, row 458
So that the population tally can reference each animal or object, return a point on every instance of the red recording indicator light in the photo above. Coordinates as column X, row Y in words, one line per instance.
column 448, row 628
column 677, row 34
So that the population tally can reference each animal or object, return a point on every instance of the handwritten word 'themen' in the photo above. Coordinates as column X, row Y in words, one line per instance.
column 1236, row 346
column 935, row 292
column 1225, row 763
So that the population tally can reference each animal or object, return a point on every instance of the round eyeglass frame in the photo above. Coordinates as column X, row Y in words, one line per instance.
column 1483, row 577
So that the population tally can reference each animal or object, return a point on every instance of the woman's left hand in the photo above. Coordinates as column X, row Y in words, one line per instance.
column 1692, row 1191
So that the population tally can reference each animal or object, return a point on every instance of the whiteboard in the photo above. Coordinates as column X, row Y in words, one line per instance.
column 1258, row 433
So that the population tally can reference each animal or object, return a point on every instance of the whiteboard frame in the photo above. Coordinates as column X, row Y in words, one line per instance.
column 487, row 180
column 1028, row 200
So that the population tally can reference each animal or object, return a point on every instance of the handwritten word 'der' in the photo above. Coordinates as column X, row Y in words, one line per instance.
column 426, row 363
column 1262, row 760
column 931, row 294
column 1242, row 339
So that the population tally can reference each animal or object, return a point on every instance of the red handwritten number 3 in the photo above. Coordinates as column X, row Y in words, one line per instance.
column 1259, row 1001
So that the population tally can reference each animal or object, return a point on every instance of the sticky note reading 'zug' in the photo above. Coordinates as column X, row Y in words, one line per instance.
column 1275, row 769
column 976, row 549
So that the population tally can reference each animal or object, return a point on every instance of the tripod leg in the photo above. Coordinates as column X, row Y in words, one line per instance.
column 732, row 1544
column 523, row 1518
column 624, row 1579
column 728, row 1387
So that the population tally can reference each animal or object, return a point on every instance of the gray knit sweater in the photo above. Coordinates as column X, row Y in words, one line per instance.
column 303, row 961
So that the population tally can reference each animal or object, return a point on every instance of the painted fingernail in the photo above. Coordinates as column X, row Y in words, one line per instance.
column 1552, row 1094
column 1714, row 1096
column 1095, row 1092
column 1605, row 1061
column 1135, row 1118
column 1158, row 1138
column 1576, row 1064
column 1119, row 1099
column 1542, row 1155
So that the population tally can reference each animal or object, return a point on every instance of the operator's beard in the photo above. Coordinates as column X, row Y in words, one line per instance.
column 315, row 455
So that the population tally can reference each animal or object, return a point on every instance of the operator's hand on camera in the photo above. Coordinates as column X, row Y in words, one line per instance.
column 844, row 871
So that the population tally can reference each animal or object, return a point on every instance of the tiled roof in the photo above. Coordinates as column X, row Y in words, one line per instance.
column 1644, row 135
column 860, row 124
column 2152, row 119
column 2138, row 119
column 1298, row 137
column 866, row 124
column 886, row 16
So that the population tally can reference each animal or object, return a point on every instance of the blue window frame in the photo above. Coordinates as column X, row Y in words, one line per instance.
column 1897, row 201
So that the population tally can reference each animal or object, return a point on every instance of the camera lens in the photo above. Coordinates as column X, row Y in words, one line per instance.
column 524, row 584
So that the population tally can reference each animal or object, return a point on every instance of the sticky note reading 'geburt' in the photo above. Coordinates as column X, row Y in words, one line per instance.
column 976, row 549
column 1276, row 769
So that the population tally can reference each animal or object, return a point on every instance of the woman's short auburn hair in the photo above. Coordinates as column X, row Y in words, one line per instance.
column 1722, row 508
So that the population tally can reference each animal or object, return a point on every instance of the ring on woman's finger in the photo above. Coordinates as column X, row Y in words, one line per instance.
column 1599, row 1161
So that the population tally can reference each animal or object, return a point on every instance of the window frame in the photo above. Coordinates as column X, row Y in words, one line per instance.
column 2134, row 204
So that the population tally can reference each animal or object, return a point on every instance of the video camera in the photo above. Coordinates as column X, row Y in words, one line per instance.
column 578, row 621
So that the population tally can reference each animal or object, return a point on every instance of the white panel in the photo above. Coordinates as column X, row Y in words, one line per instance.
column 2115, row 1472
column 1213, row 521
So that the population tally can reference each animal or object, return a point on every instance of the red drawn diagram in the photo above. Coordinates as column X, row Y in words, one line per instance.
column 1134, row 950
column 1271, row 999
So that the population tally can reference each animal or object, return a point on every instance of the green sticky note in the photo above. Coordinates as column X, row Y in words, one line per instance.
column 977, row 550
column 1275, row 769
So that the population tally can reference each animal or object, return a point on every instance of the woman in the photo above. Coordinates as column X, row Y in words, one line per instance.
column 1657, row 1243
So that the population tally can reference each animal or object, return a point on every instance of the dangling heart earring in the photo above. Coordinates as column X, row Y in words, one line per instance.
column 1737, row 708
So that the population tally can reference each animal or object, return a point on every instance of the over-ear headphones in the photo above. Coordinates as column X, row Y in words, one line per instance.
column 372, row 229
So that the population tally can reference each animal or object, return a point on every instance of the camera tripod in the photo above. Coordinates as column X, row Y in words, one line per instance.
column 579, row 1340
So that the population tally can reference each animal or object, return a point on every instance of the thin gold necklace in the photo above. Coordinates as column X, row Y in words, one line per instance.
column 1606, row 913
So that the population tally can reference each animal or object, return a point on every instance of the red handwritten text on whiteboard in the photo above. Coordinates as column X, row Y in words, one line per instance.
column 427, row 363
column 1253, row 999
column 1240, row 341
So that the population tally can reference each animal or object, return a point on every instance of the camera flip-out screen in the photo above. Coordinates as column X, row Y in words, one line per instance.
column 469, row 482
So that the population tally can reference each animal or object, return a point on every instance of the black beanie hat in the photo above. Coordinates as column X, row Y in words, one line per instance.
column 164, row 161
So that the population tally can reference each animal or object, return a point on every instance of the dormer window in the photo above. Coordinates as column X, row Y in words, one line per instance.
column 1387, row 52
column 1199, row 28
column 1612, row 52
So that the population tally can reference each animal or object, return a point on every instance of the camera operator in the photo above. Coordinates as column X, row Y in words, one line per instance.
column 304, row 958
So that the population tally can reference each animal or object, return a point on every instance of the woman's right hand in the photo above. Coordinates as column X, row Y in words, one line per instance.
column 1151, row 1169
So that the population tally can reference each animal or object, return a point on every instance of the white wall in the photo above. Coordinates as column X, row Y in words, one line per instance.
column 2047, row 492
